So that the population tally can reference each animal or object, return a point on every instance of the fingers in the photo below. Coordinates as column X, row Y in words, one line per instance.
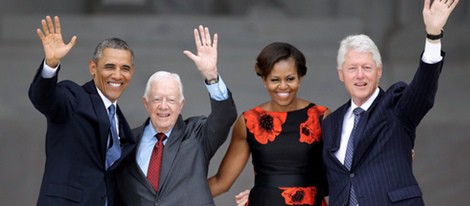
column 242, row 198
column 452, row 3
column 449, row 3
column 57, row 25
column 48, row 27
column 202, row 37
column 197, row 38
column 190, row 55
column 72, row 42
column 427, row 4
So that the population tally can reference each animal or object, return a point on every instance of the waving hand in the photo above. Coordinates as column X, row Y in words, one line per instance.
column 206, row 57
column 51, row 36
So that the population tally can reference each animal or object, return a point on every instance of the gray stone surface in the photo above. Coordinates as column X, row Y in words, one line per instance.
column 442, row 139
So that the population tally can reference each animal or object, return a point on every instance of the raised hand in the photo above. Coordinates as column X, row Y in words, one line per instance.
column 206, row 57
column 51, row 36
column 435, row 15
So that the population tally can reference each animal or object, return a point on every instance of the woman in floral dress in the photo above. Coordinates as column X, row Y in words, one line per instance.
column 283, row 135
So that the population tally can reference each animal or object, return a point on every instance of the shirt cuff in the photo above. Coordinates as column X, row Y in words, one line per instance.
column 432, row 53
column 218, row 91
column 47, row 71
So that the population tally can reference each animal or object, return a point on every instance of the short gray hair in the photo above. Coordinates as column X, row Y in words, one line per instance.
column 360, row 43
column 163, row 75
column 113, row 43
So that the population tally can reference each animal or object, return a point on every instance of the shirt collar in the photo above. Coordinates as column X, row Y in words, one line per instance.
column 367, row 104
column 154, row 132
column 105, row 100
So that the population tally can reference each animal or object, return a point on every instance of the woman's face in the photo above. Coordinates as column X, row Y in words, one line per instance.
column 283, row 83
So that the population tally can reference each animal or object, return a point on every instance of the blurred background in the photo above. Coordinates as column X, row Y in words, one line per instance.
column 159, row 31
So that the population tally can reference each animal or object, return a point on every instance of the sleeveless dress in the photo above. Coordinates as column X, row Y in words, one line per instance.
column 286, row 149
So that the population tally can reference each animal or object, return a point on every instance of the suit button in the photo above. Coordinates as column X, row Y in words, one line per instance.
column 351, row 175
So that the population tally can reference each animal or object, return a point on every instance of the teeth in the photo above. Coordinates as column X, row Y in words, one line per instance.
column 283, row 94
column 115, row 84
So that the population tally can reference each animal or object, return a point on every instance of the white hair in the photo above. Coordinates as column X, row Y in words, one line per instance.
column 360, row 43
column 163, row 75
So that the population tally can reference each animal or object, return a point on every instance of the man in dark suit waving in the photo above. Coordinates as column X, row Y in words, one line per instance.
column 368, row 141
column 87, row 133
column 182, row 147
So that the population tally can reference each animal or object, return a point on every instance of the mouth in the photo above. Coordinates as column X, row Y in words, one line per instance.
column 163, row 114
column 360, row 84
column 283, row 94
column 114, row 84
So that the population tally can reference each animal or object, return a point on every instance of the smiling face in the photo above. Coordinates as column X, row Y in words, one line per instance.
column 163, row 103
column 360, row 75
column 282, row 84
column 112, row 72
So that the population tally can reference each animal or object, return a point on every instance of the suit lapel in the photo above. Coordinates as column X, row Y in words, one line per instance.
column 125, row 134
column 171, row 150
column 101, row 115
column 134, row 168
column 363, row 137
column 337, row 127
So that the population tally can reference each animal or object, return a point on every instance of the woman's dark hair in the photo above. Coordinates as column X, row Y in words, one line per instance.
column 275, row 52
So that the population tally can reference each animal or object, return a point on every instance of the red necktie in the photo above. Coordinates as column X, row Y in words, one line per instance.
column 153, row 173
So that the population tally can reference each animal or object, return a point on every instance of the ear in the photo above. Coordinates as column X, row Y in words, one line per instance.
column 182, row 105
column 92, row 67
column 340, row 74
column 379, row 72
column 145, row 102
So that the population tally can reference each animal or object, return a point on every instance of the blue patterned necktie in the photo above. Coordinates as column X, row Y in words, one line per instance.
column 350, row 151
column 114, row 149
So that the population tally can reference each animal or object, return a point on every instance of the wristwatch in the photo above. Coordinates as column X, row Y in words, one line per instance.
column 435, row 37
column 212, row 81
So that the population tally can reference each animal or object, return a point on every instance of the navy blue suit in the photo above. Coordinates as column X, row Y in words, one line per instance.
column 381, row 170
column 76, row 139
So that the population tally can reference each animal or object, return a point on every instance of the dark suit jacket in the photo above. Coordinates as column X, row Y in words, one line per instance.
column 381, row 171
column 186, row 157
column 77, row 133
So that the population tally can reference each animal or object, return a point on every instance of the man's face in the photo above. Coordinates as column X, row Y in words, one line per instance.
column 113, row 72
column 164, row 104
column 360, row 75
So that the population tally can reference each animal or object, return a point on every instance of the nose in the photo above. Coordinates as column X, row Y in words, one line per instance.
column 360, row 73
column 283, row 85
column 163, row 104
column 117, row 73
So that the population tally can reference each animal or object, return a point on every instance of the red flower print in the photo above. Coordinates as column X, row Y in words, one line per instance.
column 299, row 195
column 265, row 126
column 310, row 130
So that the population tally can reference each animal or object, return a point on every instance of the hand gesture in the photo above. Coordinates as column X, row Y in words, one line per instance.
column 242, row 198
column 206, row 58
column 51, row 36
column 435, row 15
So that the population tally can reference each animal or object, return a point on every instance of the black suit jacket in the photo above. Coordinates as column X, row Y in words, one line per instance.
column 381, row 171
column 77, row 133
column 186, row 157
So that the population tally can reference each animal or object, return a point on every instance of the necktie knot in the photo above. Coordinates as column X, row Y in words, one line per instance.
column 160, row 136
column 112, row 110
column 358, row 111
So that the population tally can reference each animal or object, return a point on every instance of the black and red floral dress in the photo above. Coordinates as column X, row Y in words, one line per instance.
column 286, row 149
